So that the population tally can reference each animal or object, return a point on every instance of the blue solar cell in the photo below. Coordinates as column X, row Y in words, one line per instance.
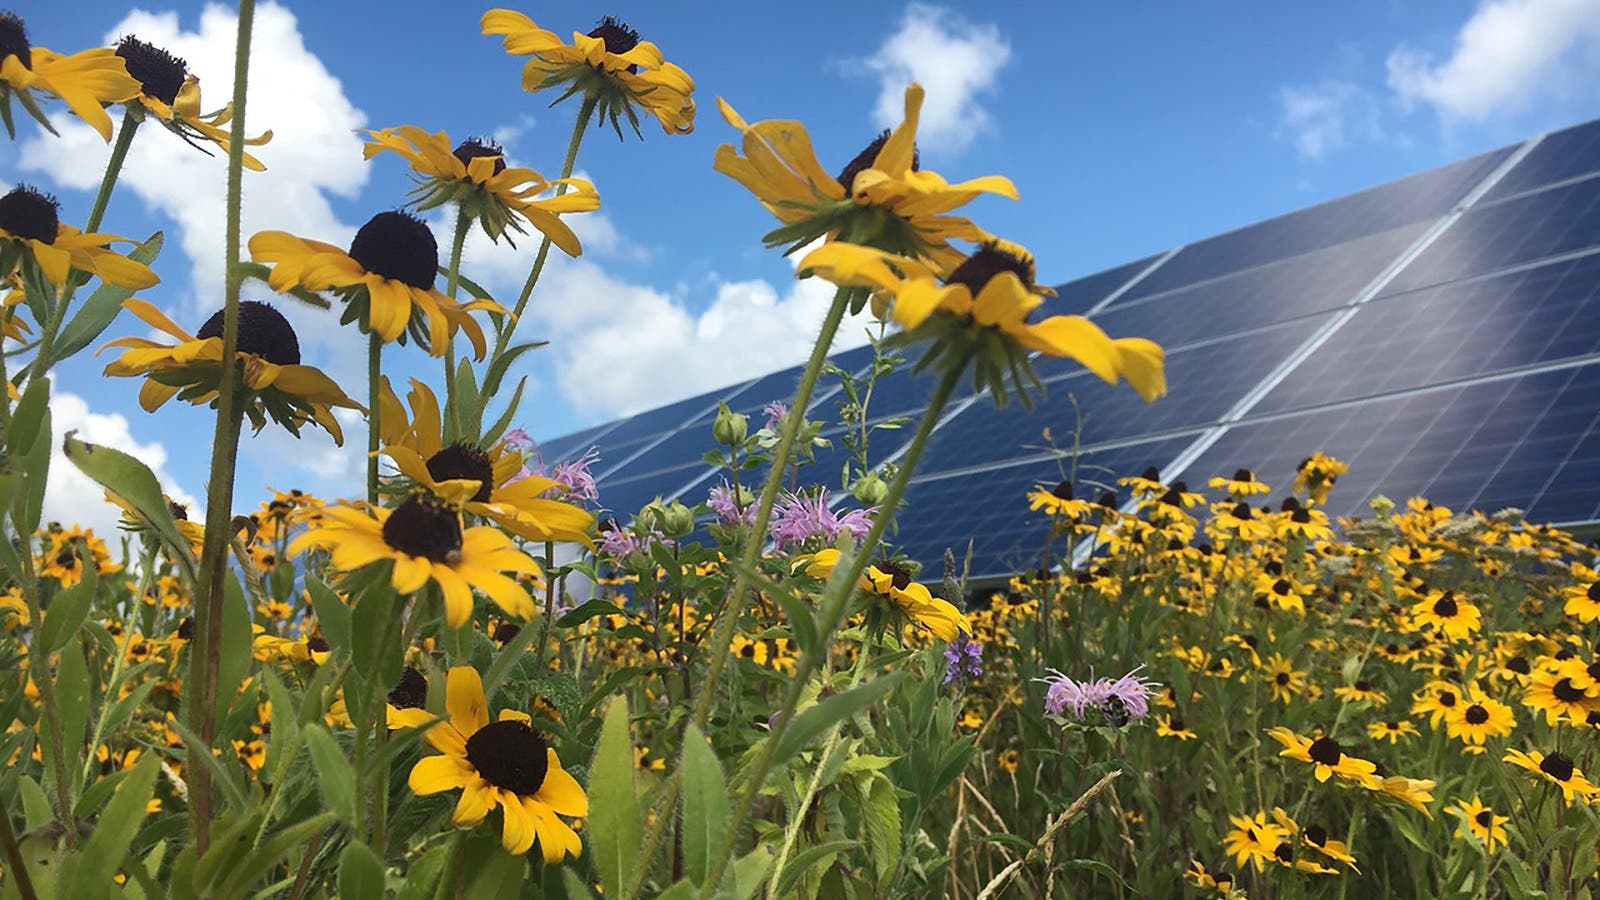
column 1518, row 230
column 1410, row 200
column 1481, row 445
column 1204, row 381
column 558, row 449
column 989, row 507
column 623, row 497
column 654, row 423
column 1284, row 290
column 1562, row 155
column 1452, row 331
column 1080, row 295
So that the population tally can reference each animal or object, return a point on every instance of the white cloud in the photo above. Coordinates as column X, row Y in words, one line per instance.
column 1509, row 54
column 72, row 497
column 1321, row 118
column 956, row 61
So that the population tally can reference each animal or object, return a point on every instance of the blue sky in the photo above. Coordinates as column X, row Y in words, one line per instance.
column 1128, row 129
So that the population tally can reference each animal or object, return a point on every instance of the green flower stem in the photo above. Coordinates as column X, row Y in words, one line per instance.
column 578, row 128
column 14, row 864
column 147, row 569
column 374, row 392
column 549, row 605
column 119, row 154
column 835, row 600
column 728, row 618
column 219, row 496
column 45, row 680
column 453, row 284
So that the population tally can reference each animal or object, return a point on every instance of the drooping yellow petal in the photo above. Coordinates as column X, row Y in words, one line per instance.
column 469, row 709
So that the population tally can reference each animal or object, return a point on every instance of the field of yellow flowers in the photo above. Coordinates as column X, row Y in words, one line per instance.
column 472, row 678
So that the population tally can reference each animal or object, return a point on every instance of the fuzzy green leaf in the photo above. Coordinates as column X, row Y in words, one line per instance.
column 705, row 805
column 133, row 481
column 616, row 823
column 360, row 873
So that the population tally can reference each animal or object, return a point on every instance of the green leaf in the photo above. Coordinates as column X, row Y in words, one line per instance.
column 503, row 423
column 801, row 621
column 502, row 364
column 43, row 857
column 705, row 805
column 133, row 481
column 28, row 416
column 197, row 751
column 422, row 876
column 590, row 610
column 100, row 310
column 373, row 657
column 332, row 614
column 616, row 823
column 236, row 640
column 285, row 737
column 72, row 705
column 576, row 889
column 36, row 809
column 799, row 863
column 268, row 855
column 360, row 873
column 810, row 723
column 467, row 404
column 334, row 772
column 750, row 870
column 114, row 832
column 880, row 807
column 28, row 504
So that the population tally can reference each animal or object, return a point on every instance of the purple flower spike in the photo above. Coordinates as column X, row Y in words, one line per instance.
column 963, row 660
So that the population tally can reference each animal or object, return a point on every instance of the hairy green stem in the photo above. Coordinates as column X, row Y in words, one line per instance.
column 219, row 495
column 452, row 284
column 119, row 155
column 374, row 395
column 45, row 681
column 13, row 851
column 578, row 128
column 733, row 608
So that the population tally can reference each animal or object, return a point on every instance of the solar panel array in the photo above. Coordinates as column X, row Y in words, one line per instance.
column 1440, row 333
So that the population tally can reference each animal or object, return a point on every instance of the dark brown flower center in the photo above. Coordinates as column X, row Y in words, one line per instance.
column 317, row 644
column 30, row 214
column 1284, row 853
column 399, row 247
column 1557, row 765
column 178, row 510
column 186, row 629
column 14, row 39
column 1316, row 834
column 160, row 74
column 465, row 461
column 1363, row 686
column 411, row 692
column 618, row 37
column 1593, row 669
column 1594, row 592
column 1282, row 678
column 476, row 148
column 1244, row 476
column 899, row 575
column 863, row 161
column 506, row 632
column 1176, row 725
column 1062, row 491
column 1446, row 607
column 263, row 332
column 424, row 527
column 1447, row 698
column 1243, row 511
column 509, row 755
column 1565, row 692
column 1519, row 664
column 988, row 262
column 1476, row 714
column 1325, row 750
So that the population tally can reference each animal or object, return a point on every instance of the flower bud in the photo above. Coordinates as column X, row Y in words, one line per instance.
column 870, row 489
column 672, row 519
column 730, row 428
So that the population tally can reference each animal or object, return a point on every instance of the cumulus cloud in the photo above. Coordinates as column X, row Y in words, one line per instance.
column 955, row 60
column 1322, row 118
column 72, row 497
column 1509, row 54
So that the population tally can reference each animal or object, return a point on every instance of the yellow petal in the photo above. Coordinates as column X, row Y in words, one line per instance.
column 469, row 709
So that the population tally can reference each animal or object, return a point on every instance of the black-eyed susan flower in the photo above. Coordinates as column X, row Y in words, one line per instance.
column 1479, row 821
column 1174, row 727
column 1326, row 756
column 1308, row 523
column 485, row 482
column 882, row 198
column 1243, row 484
column 1478, row 718
column 386, row 280
column 1316, row 475
column 1200, row 876
column 1450, row 614
column 503, row 765
column 982, row 309
column 1583, row 601
column 1559, row 696
column 33, row 237
column 63, row 554
column 1059, row 501
column 1392, row 730
column 1008, row 761
column 1556, row 768
column 84, row 81
column 474, row 174
column 278, row 386
column 1283, row 678
column 1253, row 840
column 1237, row 521
column 1361, row 691
column 890, row 579
column 171, row 95
column 1317, row 838
column 423, row 540
column 610, row 67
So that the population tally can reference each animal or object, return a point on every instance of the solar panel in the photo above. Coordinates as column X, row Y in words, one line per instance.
column 1440, row 333
column 1521, row 229
column 1528, row 441
column 1312, row 282
column 1565, row 154
column 1453, row 331
column 1415, row 199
